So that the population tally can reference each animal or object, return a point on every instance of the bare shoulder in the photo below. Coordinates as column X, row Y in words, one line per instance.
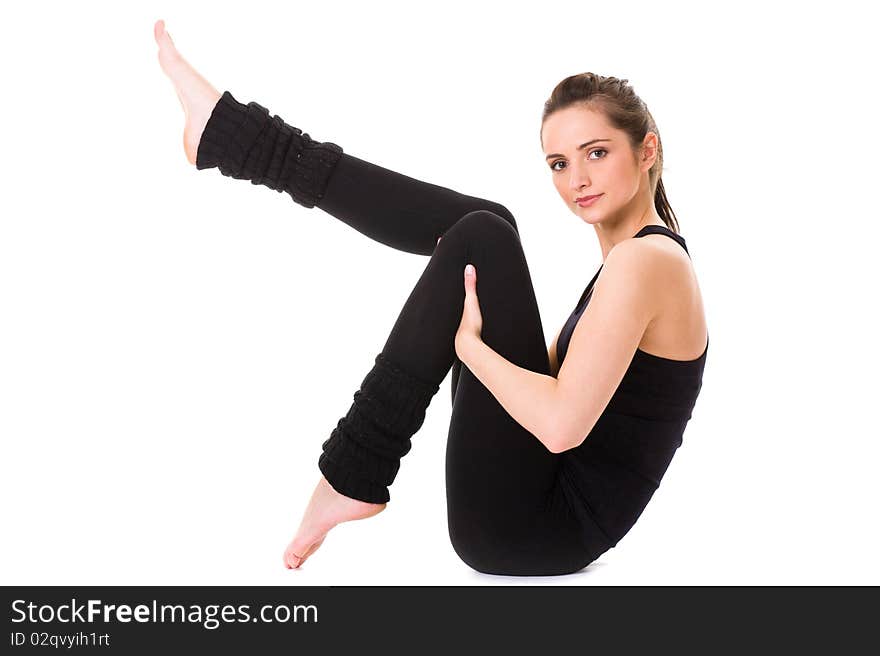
column 678, row 329
column 644, row 265
column 652, row 251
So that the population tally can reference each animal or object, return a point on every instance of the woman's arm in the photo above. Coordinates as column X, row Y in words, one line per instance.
column 627, row 296
column 527, row 396
column 561, row 412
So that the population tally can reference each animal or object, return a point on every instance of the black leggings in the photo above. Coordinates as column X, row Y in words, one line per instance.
column 507, row 511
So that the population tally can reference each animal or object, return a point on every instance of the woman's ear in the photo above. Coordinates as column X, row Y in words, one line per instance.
column 649, row 149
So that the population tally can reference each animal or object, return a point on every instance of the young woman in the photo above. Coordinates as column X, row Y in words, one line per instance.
column 551, row 457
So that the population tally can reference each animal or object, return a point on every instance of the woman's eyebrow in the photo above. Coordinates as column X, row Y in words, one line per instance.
column 581, row 147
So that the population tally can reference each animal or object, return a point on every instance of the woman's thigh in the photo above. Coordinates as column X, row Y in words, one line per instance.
column 506, row 510
column 396, row 209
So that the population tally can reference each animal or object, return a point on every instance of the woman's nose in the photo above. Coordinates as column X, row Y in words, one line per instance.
column 578, row 178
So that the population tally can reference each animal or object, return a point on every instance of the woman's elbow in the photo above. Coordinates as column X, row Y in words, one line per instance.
column 564, row 437
column 557, row 439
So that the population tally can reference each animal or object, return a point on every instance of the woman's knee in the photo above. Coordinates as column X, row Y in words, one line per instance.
column 486, row 225
column 504, row 213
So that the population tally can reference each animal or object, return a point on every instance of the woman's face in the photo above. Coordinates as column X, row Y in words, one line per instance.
column 586, row 157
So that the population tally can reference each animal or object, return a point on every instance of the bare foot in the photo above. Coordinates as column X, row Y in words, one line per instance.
column 326, row 509
column 197, row 96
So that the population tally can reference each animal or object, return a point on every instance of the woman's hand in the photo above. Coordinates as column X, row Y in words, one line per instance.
column 471, row 326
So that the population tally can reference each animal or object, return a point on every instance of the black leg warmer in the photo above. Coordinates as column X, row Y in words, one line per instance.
column 362, row 456
column 246, row 144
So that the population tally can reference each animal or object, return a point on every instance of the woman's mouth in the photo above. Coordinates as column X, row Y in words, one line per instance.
column 586, row 201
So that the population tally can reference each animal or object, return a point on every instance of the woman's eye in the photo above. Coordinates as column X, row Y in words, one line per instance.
column 592, row 152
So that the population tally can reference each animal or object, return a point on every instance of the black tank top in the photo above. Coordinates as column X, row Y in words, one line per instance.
column 612, row 475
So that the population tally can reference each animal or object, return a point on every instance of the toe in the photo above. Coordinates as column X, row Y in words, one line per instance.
column 291, row 560
column 296, row 551
column 159, row 31
column 163, row 38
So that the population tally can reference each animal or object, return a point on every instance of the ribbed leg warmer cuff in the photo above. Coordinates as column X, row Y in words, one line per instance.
column 246, row 144
column 362, row 456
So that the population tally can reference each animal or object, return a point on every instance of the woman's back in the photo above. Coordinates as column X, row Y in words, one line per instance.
column 611, row 476
column 679, row 332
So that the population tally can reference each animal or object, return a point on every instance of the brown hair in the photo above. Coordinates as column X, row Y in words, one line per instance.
column 617, row 100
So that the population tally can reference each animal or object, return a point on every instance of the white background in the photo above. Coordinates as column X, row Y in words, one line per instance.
column 176, row 345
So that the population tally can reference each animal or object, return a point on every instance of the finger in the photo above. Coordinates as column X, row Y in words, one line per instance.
column 470, row 278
